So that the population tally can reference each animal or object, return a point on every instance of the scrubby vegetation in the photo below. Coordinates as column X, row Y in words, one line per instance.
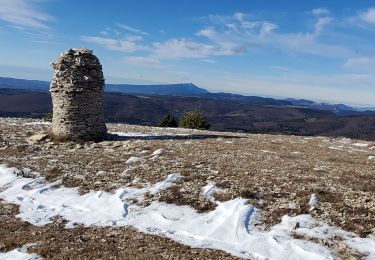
column 168, row 121
column 195, row 120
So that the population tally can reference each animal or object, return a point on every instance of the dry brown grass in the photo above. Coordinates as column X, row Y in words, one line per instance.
column 276, row 173
column 338, row 248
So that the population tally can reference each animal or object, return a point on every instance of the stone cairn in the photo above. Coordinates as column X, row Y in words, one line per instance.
column 77, row 95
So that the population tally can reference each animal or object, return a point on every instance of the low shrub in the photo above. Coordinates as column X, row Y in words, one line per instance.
column 195, row 120
column 168, row 121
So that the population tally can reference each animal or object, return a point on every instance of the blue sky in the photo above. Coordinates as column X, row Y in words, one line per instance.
column 320, row 50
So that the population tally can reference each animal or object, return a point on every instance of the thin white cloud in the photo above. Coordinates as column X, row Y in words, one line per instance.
column 320, row 11
column 143, row 61
column 131, row 29
column 368, row 16
column 239, row 16
column 361, row 64
column 129, row 44
column 244, row 23
column 363, row 19
column 46, row 42
column 267, row 28
column 239, row 34
column 232, row 27
column 209, row 61
column 208, row 32
column 186, row 48
column 322, row 23
column 23, row 14
column 283, row 69
column 227, row 42
column 307, row 44
column 359, row 61
column 230, row 35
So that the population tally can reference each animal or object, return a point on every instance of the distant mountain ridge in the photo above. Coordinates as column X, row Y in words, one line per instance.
column 191, row 90
column 159, row 89
column 182, row 89
column 339, row 109
column 36, row 85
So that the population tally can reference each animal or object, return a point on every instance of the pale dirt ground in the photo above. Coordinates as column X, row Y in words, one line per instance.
column 276, row 173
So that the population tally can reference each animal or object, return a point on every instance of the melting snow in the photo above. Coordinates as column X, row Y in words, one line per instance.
column 267, row 151
column 130, row 134
column 133, row 160
column 209, row 190
column 364, row 145
column 229, row 227
column 19, row 254
column 336, row 147
column 313, row 202
column 38, row 123
column 148, row 135
column 158, row 152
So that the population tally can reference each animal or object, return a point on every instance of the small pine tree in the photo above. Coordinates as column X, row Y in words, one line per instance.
column 194, row 120
column 168, row 121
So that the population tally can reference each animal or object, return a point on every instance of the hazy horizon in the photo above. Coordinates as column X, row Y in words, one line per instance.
column 119, row 81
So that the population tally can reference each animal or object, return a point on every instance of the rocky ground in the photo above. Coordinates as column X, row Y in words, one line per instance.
column 276, row 173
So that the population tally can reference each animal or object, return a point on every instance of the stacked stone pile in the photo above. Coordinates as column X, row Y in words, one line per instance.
column 77, row 95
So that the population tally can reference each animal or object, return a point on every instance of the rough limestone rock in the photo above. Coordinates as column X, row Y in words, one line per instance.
column 36, row 138
column 77, row 95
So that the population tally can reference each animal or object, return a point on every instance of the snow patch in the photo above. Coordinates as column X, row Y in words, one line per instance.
column 267, row 151
column 314, row 202
column 320, row 168
column 129, row 134
column 158, row 152
column 19, row 254
column 133, row 159
column 38, row 123
column 345, row 140
column 340, row 147
column 363, row 145
column 209, row 190
column 150, row 136
column 230, row 227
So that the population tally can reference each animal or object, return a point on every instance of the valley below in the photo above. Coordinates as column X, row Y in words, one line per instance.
column 237, row 114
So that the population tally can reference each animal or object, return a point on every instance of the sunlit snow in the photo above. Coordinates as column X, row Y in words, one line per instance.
column 230, row 227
